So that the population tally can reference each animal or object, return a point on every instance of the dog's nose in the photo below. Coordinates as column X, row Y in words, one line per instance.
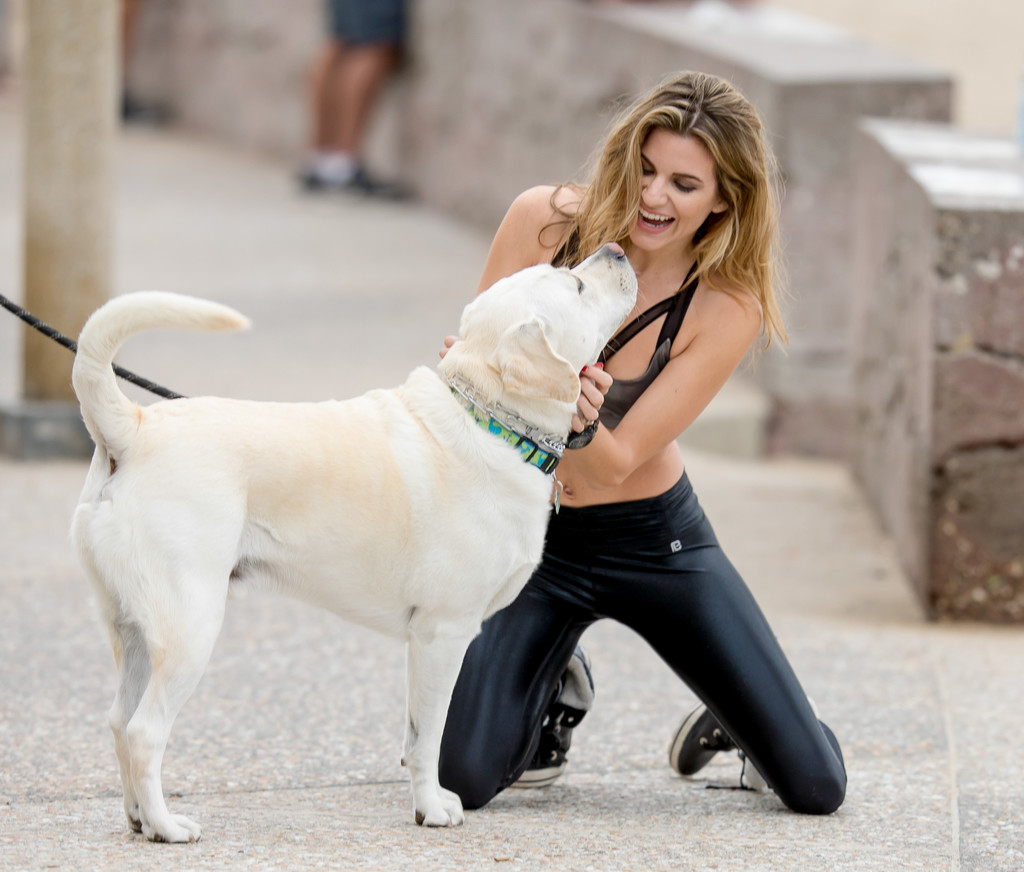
column 616, row 250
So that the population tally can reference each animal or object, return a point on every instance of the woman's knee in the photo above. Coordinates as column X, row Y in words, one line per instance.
column 820, row 794
column 822, row 790
column 470, row 779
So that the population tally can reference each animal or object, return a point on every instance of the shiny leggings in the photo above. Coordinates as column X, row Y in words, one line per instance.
column 655, row 566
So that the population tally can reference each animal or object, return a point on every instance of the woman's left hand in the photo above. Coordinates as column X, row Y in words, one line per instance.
column 594, row 384
column 449, row 341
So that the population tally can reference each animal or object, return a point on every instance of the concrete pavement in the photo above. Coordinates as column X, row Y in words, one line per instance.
column 288, row 752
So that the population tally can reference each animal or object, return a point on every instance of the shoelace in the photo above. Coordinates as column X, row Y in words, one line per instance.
column 718, row 741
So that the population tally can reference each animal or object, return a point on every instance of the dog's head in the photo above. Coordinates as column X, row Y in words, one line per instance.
column 524, row 341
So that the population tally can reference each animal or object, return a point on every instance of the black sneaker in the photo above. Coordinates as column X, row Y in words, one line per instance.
column 310, row 179
column 364, row 183
column 574, row 699
column 696, row 741
column 360, row 182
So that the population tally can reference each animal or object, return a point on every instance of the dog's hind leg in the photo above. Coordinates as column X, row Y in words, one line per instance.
column 179, row 651
column 132, row 660
column 434, row 658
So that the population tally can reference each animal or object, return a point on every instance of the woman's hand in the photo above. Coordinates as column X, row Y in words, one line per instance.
column 449, row 341
column 594, row 384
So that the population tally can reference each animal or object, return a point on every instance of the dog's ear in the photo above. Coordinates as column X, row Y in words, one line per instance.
column 530, row 367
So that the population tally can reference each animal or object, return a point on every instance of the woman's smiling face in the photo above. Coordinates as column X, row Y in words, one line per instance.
column 678, row 191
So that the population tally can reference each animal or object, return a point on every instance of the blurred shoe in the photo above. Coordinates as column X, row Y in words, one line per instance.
column 311, row 180
column 574, row 699
column 135, row 111
column 364, row 183
column 358, row 181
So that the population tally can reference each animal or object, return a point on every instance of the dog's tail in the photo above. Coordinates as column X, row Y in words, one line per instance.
column 109, row 415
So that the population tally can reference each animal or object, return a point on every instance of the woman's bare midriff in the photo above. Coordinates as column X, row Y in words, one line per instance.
column 655, row 477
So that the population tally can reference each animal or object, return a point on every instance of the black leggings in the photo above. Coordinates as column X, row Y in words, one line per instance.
column 655, row 566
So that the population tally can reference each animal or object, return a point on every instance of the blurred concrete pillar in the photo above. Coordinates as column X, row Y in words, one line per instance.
column 71, row 72
column 71, row 75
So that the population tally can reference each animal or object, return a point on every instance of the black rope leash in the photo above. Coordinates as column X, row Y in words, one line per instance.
column 72, row 346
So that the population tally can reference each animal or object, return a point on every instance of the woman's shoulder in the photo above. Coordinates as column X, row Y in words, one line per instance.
column 544, row 204
column 538, row 221
column 533, row 227
column 728, row 305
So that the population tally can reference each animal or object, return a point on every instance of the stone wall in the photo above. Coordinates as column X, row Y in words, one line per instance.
column 939, row 363
column 497, row 96
column 236, row 69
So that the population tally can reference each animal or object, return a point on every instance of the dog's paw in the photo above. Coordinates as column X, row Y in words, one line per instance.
column 445, row 812
column 177, row 829
column 134, row 815
column 134, row 818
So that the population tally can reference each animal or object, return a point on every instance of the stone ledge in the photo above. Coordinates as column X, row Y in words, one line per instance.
column 735, row 423
column 39, row 430
column 939, row 436
column 956, row 169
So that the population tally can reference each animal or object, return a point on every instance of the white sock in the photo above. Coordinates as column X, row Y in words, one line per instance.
column 337, row 167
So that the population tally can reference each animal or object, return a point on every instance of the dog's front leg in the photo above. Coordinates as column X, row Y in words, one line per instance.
column 434, row 657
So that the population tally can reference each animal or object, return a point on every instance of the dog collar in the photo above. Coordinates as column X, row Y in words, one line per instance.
column 535, row 447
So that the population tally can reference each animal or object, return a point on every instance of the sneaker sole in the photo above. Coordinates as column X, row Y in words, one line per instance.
column 532, row 779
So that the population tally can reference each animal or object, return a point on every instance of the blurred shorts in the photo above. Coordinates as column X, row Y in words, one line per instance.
column 366, row 22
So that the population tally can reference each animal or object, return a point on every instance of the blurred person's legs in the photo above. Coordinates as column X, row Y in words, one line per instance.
column 366, row 43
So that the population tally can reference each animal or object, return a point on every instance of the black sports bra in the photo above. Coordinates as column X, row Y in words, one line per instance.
column 624, row 392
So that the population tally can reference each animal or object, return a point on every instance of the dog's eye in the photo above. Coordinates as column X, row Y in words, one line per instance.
column 579, row 286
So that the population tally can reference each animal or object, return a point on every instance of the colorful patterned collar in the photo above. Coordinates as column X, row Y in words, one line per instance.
column 535, row 447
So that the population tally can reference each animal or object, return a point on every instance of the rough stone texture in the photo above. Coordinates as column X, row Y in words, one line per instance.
column 497, row 96
column 977, row 553
column 892, row 341
column 979, row 400
column 980, row 295
column 939, row 443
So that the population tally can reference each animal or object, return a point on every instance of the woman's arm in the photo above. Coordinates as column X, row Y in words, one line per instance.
column 725, row 329
column 517, row 242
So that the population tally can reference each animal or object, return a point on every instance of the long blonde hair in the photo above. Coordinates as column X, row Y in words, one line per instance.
column 738, row 247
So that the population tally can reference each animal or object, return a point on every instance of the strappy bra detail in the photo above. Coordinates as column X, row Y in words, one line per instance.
column 624, row 392
column 676, row 306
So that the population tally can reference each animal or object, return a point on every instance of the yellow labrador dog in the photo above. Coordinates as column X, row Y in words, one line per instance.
column 188, row 499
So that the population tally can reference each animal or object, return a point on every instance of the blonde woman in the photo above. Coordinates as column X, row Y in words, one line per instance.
column 684, row 182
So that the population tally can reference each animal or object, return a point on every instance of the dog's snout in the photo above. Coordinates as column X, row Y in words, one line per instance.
column 615, row 250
